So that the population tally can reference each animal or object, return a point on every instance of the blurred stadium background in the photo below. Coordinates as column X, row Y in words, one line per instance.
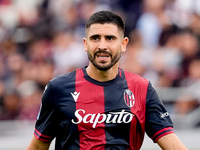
column 40, row 39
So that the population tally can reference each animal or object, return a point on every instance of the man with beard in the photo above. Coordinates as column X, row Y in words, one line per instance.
column 102, row 106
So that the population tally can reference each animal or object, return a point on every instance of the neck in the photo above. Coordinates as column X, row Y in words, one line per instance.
column 102, row 76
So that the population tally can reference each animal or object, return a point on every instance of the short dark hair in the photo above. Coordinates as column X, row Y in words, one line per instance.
column 104, row 16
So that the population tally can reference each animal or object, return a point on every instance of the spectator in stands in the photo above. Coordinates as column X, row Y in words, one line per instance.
column 129, row 60
column 189, row 46
column 190, row 98
column 68, row 54
column 30, row 96
column 155, row 16
column 10, row 109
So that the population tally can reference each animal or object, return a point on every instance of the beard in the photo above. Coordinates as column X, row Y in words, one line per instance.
column 102, row 66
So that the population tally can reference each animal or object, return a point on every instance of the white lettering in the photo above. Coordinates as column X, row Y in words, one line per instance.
column 97, row 119
column 111, row 117
column 92, row 116
column 125, row 118
column 79, row 117
column 162, row 115
column 108, row 118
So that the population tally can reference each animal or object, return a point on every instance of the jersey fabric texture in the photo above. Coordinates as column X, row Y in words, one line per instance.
column 85, row 114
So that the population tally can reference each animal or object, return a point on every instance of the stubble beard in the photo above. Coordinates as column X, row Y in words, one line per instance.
column 102, row 65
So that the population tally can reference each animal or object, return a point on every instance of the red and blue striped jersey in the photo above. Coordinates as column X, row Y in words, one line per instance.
column 85, row 114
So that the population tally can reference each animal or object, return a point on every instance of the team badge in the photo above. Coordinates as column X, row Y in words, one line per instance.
column 129, row 98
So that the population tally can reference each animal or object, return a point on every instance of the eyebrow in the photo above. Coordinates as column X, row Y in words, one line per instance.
column 94, row 36
column 97, row 35
column 110, row 36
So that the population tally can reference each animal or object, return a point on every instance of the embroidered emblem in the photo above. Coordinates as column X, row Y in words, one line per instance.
column 129, row 98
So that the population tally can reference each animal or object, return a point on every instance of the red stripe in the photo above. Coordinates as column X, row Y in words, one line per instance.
column 160, row 131
column 138, row 86
column 91, row 104
column 41, row 136
column 45, row 136
column 36, row 135
column 155, row 140
column 120, row 72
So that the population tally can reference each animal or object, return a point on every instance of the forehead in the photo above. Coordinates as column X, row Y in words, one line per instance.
column 103, row 29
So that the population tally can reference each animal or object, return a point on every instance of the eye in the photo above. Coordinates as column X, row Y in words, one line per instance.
column 94, row 38
column 110, row 38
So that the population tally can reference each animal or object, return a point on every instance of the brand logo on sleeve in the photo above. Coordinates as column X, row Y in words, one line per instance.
column 162, row 115
column 129, row 98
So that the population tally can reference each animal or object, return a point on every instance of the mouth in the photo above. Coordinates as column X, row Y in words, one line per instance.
column 102, row 56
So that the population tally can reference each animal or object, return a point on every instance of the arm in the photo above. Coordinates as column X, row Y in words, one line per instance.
column 171, row 142
column 159, row 126
column 36, row 144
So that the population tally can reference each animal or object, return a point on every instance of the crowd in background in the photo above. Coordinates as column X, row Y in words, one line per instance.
column 40, row 39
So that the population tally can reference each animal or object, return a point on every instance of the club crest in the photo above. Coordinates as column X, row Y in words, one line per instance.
column 129, row 98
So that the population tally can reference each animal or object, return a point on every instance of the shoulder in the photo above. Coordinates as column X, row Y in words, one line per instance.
column 61, row 79
column 62, row 85
column 134, row 77
column 64, row 81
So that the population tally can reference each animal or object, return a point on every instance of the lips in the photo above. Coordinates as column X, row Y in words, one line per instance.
column 102, row 56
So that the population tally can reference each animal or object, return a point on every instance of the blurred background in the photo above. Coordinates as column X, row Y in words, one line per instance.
column 40, row 39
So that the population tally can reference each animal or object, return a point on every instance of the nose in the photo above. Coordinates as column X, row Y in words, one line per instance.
column 102, row 44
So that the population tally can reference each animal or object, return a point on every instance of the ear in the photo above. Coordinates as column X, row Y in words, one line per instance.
column 85, row 44
column 124, row 44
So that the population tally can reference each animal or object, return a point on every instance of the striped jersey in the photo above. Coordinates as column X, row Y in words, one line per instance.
column 85, row 114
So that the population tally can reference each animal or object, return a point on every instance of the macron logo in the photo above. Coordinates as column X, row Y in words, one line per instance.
column 75, row 95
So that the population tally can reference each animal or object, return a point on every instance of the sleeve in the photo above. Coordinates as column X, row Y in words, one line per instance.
column 158, row 122
column 46, row 124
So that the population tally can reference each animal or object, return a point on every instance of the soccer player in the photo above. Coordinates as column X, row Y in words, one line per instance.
column 102, row 106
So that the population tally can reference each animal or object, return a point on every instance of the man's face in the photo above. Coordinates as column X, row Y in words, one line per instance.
column 104, row 44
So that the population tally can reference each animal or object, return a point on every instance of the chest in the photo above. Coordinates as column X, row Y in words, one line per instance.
column 92, row 105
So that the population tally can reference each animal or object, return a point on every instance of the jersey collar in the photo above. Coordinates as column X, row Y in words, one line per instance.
column 106, row 83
